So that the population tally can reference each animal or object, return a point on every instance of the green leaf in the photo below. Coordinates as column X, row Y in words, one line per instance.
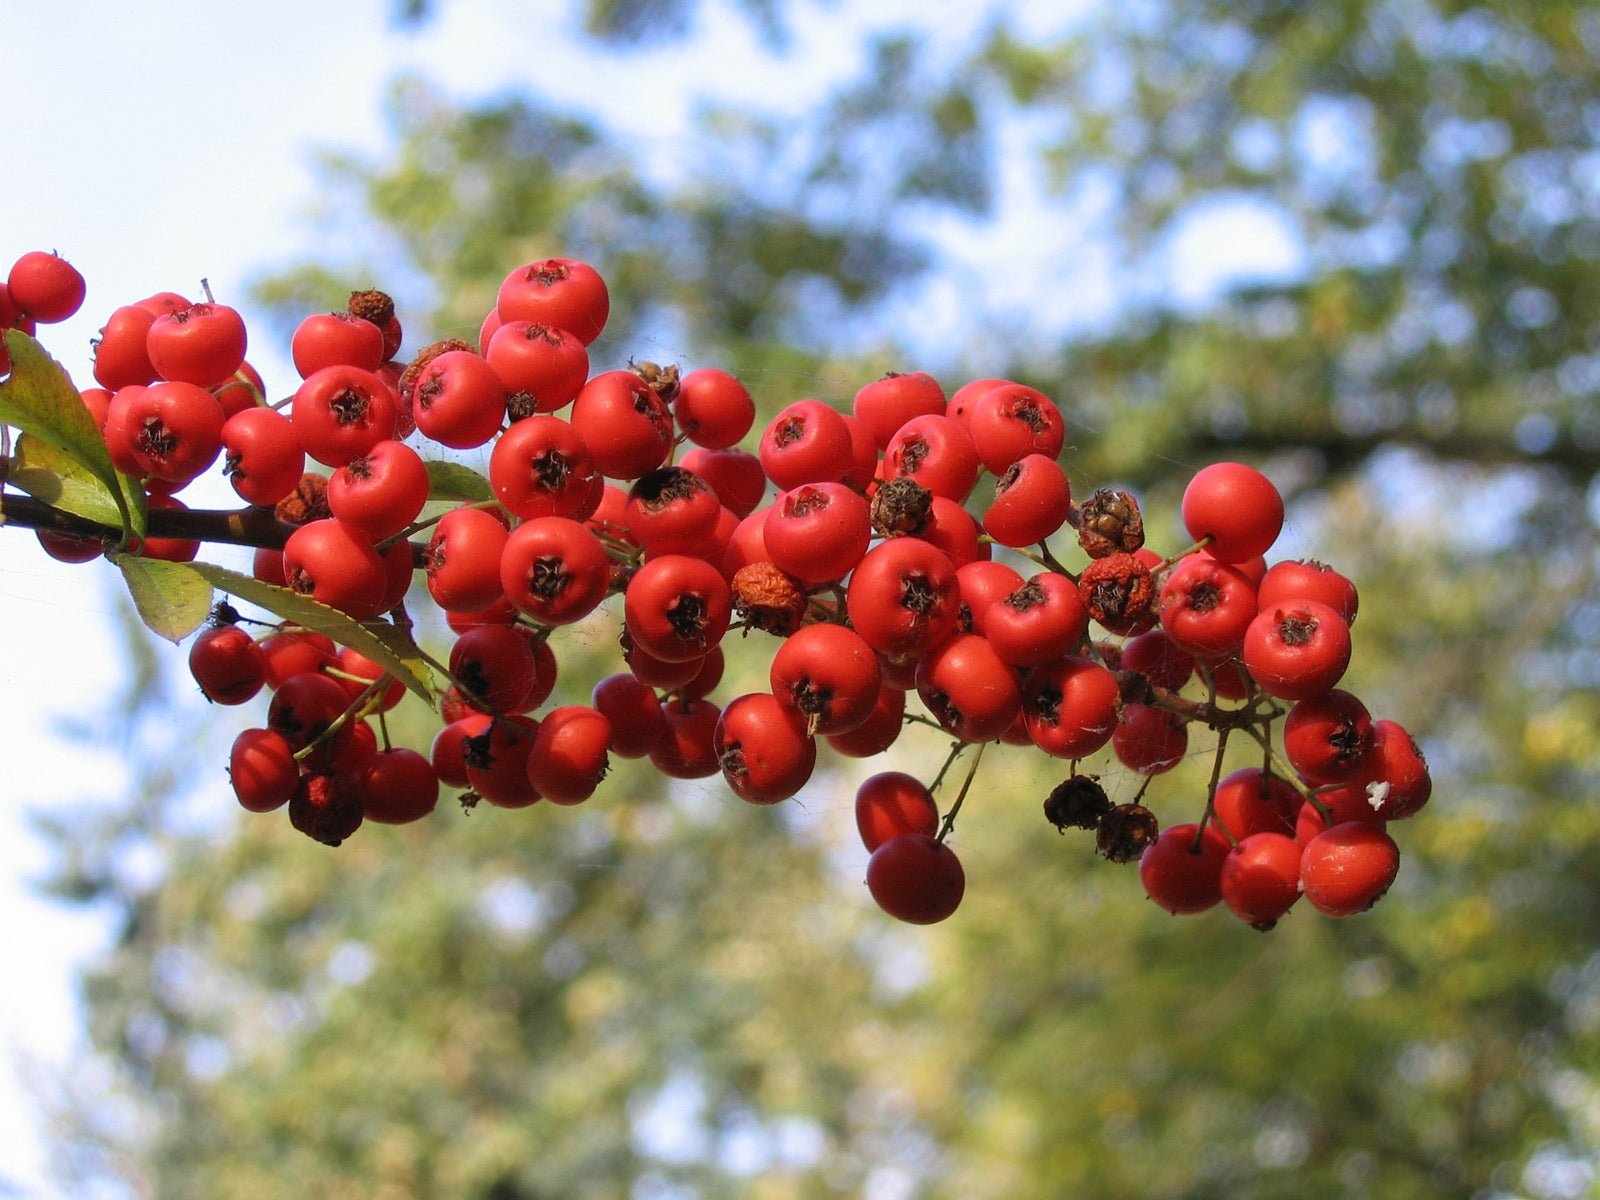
column 390, row 647
column 454, row 481
column 39, row 399
column 172, row 600
column 53, row 477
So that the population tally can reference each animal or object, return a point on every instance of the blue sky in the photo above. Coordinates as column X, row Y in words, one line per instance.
column 154, row 146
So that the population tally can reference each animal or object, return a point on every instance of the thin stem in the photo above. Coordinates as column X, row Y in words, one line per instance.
column 1211, row 796
column 955, row 752
column 961, row 796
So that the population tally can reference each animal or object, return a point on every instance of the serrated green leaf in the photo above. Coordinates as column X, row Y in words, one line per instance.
column 53, row 477
column 172, row 600
column 39, row 399
column 454, row 481
column 391, row 648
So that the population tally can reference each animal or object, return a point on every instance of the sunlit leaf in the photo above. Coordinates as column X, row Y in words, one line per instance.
column 172, row 599
column 39, row 399
column 51, row 476
column 389, row 647
column 453, row 481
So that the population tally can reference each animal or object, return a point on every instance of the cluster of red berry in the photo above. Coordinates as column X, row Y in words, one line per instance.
column 866, row 564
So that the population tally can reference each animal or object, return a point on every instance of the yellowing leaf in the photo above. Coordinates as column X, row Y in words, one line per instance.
column 172, row 600
column 391, row 648
column 39, row 399
column 53, row 477
column 453, row 481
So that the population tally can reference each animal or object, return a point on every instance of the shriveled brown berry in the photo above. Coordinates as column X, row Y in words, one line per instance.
column 326, row 808
column 1077, row 803
column 308, row 502
column 768, row 599
column 663, row 381
column 1109, row 522
column 1120, row 593
column 372, row 305
column 1124, row 833
column 901, row 507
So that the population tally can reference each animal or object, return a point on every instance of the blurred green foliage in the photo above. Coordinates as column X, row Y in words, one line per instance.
column 669, row 994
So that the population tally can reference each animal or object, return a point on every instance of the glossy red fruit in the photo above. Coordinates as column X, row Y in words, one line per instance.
column 1040, row 621
column 713, row 409
column 886, row 404
column 304, row 707
column 687, row 750
column 735, row 475
column 494, row 667
column 463, row 560
column 262, row 457
column 203, row 344
column 497, row 761
column 1261, row 878
column 381, row 492
column 970, row 690
column 626, row 426
column 936, row 452
column 1010, row 422
column 676, row 608
column 878, row 732
column 763, row 749
column 1346, row 869
column 807, row 442
column 1206, row 605
column 396, row 786
column 1158, row 658
column 341, row 413
column 1182, row 869
column 1071, row 706
column 1395, row 775
column 982, row 583
column 634, row 710
column 891, row 803
column 817, row 532
column 336, row 339
column 543, row 368
column 458, row 400
column 916, row 879
column 262, row 770
column 1150, row 740
column 1328, row 737
column 563, row 293
column 903, row 597
column 671, row 511
column 1032, row 500
column 172, row 431
column 1298, row 650
column 827, row 676
column 1250, row 801
column 1234, row 505
column 293, row 651
column 569, row 756
column 45, row 286
column 447, row 755
column 227, row 664
column 120, row 355
column 554, row 570
column 1304, row 579
column 337, row 566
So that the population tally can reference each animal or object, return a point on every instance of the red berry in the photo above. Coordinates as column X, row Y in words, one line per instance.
column 45, row 286
column 1347, row 868
column 1182, row 869
column 892, row 803
column 1236, row 506
column 915, row 878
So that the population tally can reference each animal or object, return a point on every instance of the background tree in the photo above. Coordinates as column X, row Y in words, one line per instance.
column 673, row 995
